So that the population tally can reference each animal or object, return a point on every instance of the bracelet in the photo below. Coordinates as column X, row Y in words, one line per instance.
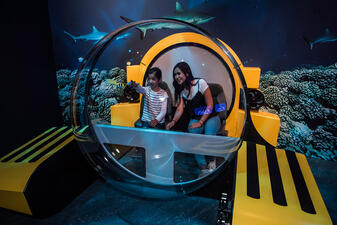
column 174, row 121
column 201, row 122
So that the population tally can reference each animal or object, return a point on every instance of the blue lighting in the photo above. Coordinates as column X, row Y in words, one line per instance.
column 220, row 107
column 203, row 110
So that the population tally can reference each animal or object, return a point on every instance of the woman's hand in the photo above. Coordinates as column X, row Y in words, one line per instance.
column 154, row 123
column 195, row 125
column 170, row 125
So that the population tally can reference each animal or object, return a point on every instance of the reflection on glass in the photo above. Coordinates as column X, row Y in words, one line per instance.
column 187, row 168
column 131, row 157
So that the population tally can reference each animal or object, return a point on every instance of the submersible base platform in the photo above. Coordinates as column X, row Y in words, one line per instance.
column 263, row 185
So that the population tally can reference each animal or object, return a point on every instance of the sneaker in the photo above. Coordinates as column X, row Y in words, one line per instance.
column 211, row 165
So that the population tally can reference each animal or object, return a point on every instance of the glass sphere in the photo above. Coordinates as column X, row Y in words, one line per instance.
column 117, row 101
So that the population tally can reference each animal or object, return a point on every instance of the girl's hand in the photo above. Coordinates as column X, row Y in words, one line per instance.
column 195, row 125
column 170, row 125
column 154, row 123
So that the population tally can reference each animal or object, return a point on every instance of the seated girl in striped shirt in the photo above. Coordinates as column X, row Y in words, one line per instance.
column 155, row 100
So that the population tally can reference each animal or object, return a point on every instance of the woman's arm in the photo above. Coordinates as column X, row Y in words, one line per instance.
column 209, row 103
column 177, row 114
column 208, row 111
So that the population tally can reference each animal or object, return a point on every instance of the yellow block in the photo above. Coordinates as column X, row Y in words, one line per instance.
column 252, row 76
column 133, row 73
column 125, row 114
column 267, row 125
column 235, row 123
column 14, row 201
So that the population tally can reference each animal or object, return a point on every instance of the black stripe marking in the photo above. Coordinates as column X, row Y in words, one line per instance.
column 301, row 187
column 275, row 177
column 25, row 156
column 253, row 188
column 25, row 148
column 43, row 153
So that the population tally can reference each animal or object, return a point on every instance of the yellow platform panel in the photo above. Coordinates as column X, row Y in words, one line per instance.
column 18, row 166
column 275, row 187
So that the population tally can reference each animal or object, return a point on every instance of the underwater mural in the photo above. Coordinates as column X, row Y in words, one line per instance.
column 306, row 101
column 294, row 44
column 107, row 89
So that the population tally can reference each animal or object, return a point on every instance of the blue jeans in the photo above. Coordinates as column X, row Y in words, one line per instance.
column 210, row 127
column 146, row 124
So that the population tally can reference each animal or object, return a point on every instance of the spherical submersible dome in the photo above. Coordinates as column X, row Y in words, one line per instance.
column 106, row 108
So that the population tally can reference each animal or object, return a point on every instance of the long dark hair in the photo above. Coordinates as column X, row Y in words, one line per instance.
column 185, row 68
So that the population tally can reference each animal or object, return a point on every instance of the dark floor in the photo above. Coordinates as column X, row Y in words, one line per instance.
column 325, row 173
column 100, row 204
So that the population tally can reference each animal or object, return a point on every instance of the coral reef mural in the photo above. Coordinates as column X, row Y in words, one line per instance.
column 306, row 101
column 106, row 90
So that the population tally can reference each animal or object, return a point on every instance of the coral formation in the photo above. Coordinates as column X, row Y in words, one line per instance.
column 306, row 101
column 105, row 87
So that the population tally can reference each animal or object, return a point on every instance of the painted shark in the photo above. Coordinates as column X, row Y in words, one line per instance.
column 95, row 35
column 327, row 37
column 180, row 14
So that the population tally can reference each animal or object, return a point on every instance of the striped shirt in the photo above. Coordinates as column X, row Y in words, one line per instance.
column 155, row 104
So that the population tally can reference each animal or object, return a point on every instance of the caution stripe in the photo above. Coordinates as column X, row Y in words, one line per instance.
column 300, row 185
column 35, row 146
column 267, row 178
column 313, row 188
column 287, row 180
column 263, row 173
column 50, row 146
column 28, row 145
column 52, row 150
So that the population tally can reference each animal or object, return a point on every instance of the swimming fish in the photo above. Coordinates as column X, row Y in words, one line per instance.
column 180, row 14
column 327, row 37
column 112, row 81
column 123, row 36
column 95, row 35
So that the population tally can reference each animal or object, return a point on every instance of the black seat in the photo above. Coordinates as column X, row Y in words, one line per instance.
column 219, row 100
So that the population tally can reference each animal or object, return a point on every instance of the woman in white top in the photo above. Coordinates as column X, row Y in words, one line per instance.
column 194, row 97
